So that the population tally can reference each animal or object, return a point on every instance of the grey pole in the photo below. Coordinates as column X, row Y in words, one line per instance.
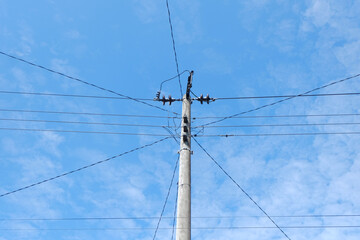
column 183, row 224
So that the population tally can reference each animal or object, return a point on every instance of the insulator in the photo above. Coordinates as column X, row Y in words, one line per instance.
column 171, row 100
column 163, row 100
column 207, row 99
column 201, row 99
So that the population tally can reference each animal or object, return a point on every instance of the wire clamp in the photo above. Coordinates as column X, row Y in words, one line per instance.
column 187, row 149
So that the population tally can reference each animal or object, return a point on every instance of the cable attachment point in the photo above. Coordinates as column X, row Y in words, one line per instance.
column 187, row 149
column 206, row 99
column 157, row 97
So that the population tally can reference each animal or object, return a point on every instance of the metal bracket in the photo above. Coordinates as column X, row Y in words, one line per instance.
column 187, row 149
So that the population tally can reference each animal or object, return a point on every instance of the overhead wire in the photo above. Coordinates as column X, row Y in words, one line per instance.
column 151, row 99
column 193, row 228
column 277, row 134
column 83, row 81
column 171, row 217
column 85, row 113
column 285, row 116
column 242, row 189
column 175, row 209
column 161, row 84
column 193, row 93
column 172, row 134
column 79, row 131
column 282, row 100
column 281, row 125
column 81, row 168
column 84, row 123
column 71, row 95
column 167, row 197
column 287, row 96
column 174, row 48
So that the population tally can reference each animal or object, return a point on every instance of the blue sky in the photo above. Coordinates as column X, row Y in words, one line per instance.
column 236, row 48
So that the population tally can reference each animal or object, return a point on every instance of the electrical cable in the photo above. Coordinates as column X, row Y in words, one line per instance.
column 232, row 179
column 287, row 96
column 76, row 131
column 71, row 95
column 168, row 217
column 283, row 100
column 175, row 208
column 172, row 135
column 194, row 228
column 167, row 197
column 150, row 99
column 85, row 113
column 84, row 82
column 277, row 134
column 279, row 125
column 193, row 93
column 174, row 48
column 85, row 123
column 161, row 84
column 81, row 168
column 287, row 116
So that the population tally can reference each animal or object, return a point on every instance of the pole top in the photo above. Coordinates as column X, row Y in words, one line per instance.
column 189, row 85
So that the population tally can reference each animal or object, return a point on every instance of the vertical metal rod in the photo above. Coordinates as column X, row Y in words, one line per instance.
column 183, row 224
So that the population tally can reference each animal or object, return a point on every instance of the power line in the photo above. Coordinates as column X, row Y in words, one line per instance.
column 283, row 100
column 81, row 168
column 173, row 44
column 277, row 134
column 286, row 116
column 161, row 84
column 168, row 117
column 150, row 99
column 194, row 228
column 174, row 217
column 172, row 134
column 287, row 96
column 193, row 217
column 84, row 113
column 228, row 175
column 75, row 131
column 279, row 125
column 167, row 197
column 71, row 95
column 84, row 82
column 85, row 123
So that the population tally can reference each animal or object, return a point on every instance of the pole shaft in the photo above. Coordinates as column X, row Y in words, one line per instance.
column 183, row 224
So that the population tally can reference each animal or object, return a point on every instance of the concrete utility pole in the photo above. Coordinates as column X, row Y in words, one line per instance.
column 183, row 224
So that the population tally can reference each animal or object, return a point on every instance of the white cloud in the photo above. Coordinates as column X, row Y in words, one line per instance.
column 337, row 35
column 73, row 34
column 26, row 42
column 22, row 79
column 320, row 12
column 147, row 11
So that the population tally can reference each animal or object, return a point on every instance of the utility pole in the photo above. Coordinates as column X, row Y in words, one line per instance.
column 183, row 223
